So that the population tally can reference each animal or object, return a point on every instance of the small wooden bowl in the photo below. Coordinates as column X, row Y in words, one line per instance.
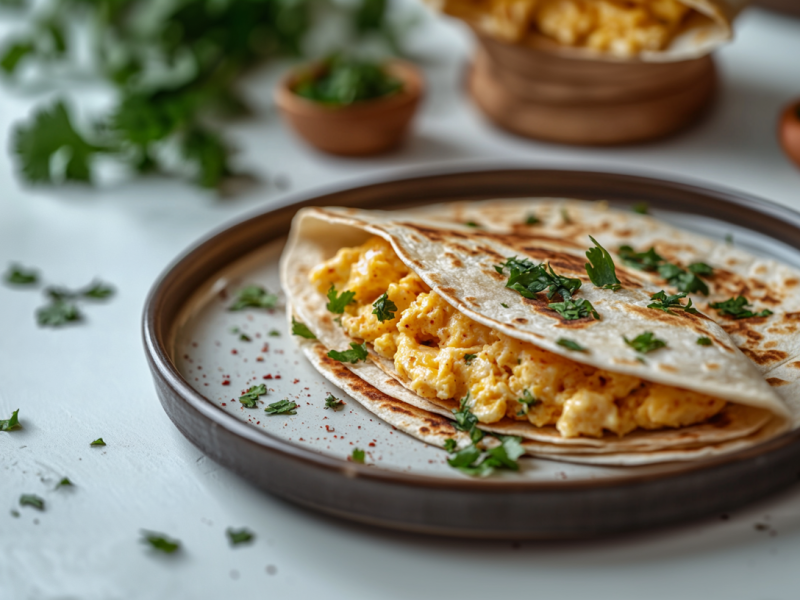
column 360, row 129
column 536, row 91
column 789, row 131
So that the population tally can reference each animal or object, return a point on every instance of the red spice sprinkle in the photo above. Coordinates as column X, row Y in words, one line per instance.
column 372, row 444
column 296, row 381
column 277, row 376
column 234, row 352
column 268, row 376
column 259, row 359
column 199, row 368
column 224, row 404
column 329, row 429
column 226, row 382
column 265, row 348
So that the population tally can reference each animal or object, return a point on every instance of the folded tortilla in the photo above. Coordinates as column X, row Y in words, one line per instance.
column 648, row 30
column 457, row 263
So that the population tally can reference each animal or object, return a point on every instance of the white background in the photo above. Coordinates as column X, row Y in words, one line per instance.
column 79, row 383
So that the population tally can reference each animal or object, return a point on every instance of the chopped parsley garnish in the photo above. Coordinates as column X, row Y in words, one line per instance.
column 300, row 329
column 528, row 279
column 450, row 445
column 701, row 268
column 601, row 271
column 646, row 342
column 685, row 281
column 532, row 220
column 468, row 358
column 527, row 400
column 239, row 536
column 96, row 290
column 333, row 403
column 57, row 314
column 245, row 338
column 65, row 482
column 574, row 309
column 19, row 275
column 641, row 207
column 358, row 455
column 644, row 261
column 570, row 345
column 250, row 398
column 31, row 500
column 11, row 423
column 472, row 461
column 98, row 442
column 738, row 308
column 274, row 333
column 504, row 305
column 356, row 353
column 254, row 296
column 668, row 303
column 383, row 308
column 565, row 216
column 704, row 341
column 281, row 407
column 160, row 542
column 465, row 420
column 471, row 224
column 337, row 302
column 729, row 238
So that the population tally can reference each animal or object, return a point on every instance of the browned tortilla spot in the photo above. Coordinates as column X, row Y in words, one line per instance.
column 424, row 429
column 454, row 260
column 712, row 366
column 472, row 300
column 668, row 368
column 623, row 233
column 770, row 345
column 448, row 290
column 397, row 409
column 743, row 327
column 791, row 282
column 791, row 316
column 776, row 381
column 763, row 358
column 521, row 320
column 795, row 364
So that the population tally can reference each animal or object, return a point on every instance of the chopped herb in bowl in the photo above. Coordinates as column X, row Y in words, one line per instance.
column 340, row 81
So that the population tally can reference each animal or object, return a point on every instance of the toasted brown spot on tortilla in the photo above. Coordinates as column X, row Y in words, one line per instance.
column 744, row 328
column 521, row 320
column 454, row 260
column 626, row 361
column 668, row 368
column 623, row 233
column 720, row 420
column 791, row 282
column 770, row 345
column 795, row 364
column 791, row 316
column 712, row 366
column 472, row 300
column 763, row 358
column 776, row 381
column 761, row 269
column 424, row 429
column 448, row 290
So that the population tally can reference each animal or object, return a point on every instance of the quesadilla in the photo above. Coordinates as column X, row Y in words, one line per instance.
column 522, row 318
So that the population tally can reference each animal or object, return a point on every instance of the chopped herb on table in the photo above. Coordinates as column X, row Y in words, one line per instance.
column 250, row 398
column 738, row 308
column 274, row 333
column 337, row 302
column 358, row 455
column 98, row 442
column 65, row 482
column 667, row 303
column 356, row 353
column 97, row 290
column 302, row 330
column 31, row 500
column 281, row 407
column 570, row 345
column 600, row 268
column 160, row 542
column 704, row 341
column 245, row 338
column 341, row 81
column 254, row 296
column 450, row 445
column 383, row 308
column 11, row 423
column 333, row 403
column 644, row 343
column 468, row 358
column 574, row 309
column 239, row 536
column 19, row 275
column 528, row 279
column 57, row 314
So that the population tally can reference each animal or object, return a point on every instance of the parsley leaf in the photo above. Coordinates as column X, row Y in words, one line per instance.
column 471, row 461
column 532, row 219
column 570, row 345
column 574, row 309
column 468, row 358
column 281, row 407
column 250, row 398
column 300, row 329
column 31, row 500
column 450, row 445
column 254, row 296
column 644, row 343
column 602, row 271
column 738, row 308
column 358, row 456
column 644, row 261
column 685, row 281
column 528, row 279
column 642, row 208
column 356, row 353
column 65, row 482
column 11, row 423
column 57, row 314
column 565, row 216
column 704, row 341
column 19, row 275
column 243, row 337
column 527, row 400
column 472, row 224
column 383, row 308
column 97, row 290
column 239, row 536
column 274, row 333
column 160, row 542
column 333, row 403
column 465, row 420
column 701, row 268
column 98, row 442
column 668, row 303
column 504, row 305
column 336, row 304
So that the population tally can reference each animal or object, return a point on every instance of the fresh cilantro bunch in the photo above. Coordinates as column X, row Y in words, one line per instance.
column 176, row 67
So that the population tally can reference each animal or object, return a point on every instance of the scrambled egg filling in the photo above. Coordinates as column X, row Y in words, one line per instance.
column 443, row 354
column 619, row 27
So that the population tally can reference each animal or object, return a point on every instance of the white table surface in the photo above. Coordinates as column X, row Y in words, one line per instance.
column 79, row 383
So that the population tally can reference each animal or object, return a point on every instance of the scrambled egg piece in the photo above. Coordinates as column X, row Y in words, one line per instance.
column 619, row 27
column 443, row 354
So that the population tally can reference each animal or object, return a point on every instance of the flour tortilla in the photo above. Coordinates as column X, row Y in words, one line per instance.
column 430, row 246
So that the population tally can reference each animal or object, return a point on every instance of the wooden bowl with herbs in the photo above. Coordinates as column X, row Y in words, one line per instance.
column 351, row 107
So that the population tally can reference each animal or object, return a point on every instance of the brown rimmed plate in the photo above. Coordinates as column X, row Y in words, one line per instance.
column 203, row 355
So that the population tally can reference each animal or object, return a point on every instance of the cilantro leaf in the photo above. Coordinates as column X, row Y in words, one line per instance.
column 668, row 303
column 383, row 308
column 239, row 536
column 532, row 219
column 472, row 224
column 641, row 207
column 337, row 303
column 468, row 358
column 700, row 268
column 333, row 403
column 704, row 341
column 570, row 345
column 738, row 308
column 57, row 314
column 254, row 296
column 356, row 353
column 65, row 482
column 450, row 445
column 602, row 271
column 14, row 55
column 528, row 279
column 243, row 337
column 645, row 342
column 11, row 423
column 160, row 542
column 471, row 461
column 465, row 420
column 97, row 290
column 527, row 400
column 19, row 275
column 465, row 457
column 358, row 456
column 281, row 407
column 274, row 333
column 574, row 309
column 300, row 329
column 504, row 305
column 98, row 442
column 644, row 261
column 31, row 500
column 685, row 281
column 565, row 216
column 250, row 398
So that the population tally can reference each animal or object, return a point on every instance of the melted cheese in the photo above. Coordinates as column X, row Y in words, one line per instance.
column 441, row 353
